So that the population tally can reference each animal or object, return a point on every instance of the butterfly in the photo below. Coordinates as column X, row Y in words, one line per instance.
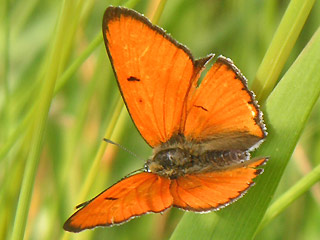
column 201, row 133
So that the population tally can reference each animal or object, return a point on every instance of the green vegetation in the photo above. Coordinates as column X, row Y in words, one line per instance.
column 59, row 99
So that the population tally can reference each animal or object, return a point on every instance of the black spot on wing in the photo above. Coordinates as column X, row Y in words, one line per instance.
column 133, row 79
column 111, row 198
column 203, row 108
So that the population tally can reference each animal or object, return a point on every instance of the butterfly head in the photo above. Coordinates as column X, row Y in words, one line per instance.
column 170, row 162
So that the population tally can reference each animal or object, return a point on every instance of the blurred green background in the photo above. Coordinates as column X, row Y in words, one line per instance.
column 70, row 165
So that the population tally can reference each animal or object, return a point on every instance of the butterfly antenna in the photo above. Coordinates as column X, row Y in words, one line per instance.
column 123, row 148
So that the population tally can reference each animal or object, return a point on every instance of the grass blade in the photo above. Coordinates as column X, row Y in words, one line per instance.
column 287, row 110
column 281, row 46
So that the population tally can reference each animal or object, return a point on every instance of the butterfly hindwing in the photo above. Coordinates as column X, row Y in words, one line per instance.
column 133, row 196
column 213, row 190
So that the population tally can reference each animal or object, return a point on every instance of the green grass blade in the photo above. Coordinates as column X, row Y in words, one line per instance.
column 286, row 112
column 290, row 196
column 39, row 125
column 78, row 62
column 281, row 46
column 4, row 82
column 4, row 149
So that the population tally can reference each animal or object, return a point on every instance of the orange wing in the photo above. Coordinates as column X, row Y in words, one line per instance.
column 133, row 196
column 213, row 190
column 223, row 111
column 154, row 72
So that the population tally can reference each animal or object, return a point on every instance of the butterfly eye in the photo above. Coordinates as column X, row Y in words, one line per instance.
column 174, row 157
column 166, row 158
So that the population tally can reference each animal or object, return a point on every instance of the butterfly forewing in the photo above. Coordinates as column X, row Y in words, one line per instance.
column 223, row 110
column 154, row 72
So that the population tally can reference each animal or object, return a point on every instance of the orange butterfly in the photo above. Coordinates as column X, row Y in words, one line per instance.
column 201, row 135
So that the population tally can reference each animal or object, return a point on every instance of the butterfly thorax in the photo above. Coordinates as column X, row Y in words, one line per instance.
column 179, row 157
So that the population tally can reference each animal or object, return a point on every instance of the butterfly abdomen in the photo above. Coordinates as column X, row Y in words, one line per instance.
column 219, row 160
